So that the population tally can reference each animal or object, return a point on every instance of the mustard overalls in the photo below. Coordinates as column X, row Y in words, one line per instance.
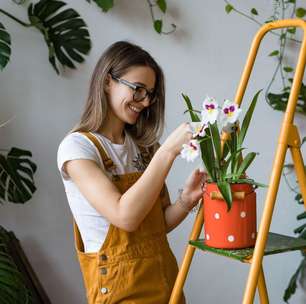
column 130, row 267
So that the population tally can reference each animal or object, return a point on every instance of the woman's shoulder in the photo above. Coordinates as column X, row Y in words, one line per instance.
column 74, row 140
column 76, row 146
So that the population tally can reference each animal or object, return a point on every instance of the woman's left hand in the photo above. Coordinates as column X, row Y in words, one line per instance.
column 193, row 189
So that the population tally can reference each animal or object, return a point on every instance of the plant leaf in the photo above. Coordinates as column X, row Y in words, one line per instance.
column 16, row 176
column 158, row 25
column 245, row 163
column 5, row 47
column 194, row 117
column 226, row 192
column 162, row 4
column 106, row 5
column 288, row 69
column 300, row 12
column 247, row 119
column 229, row 8
column 216, row 141
column 254, row 11
column 274, row 53
column 65, row 32
column 290, row 290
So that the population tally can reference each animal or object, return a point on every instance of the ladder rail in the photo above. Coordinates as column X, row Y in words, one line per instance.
column 284, row 138
column 288, row 137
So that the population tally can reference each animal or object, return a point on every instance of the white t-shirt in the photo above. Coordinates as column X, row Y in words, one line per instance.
column 92, row 225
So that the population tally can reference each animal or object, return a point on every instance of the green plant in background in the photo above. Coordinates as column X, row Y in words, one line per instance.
column 64, row 31
column 223, row 167
column 278, row 101
column 106, row 5
column 16, row 186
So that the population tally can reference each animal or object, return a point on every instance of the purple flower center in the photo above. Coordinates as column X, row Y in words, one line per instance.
column 229, row 109
column 210, row 106
column 193, row 146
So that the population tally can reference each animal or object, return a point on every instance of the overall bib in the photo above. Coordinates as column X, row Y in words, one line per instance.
column 131, row 267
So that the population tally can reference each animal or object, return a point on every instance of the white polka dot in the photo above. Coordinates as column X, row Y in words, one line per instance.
column 207, row 237
column 243, row 214
column 231, row 238
column 253, row 235
column 217, row 216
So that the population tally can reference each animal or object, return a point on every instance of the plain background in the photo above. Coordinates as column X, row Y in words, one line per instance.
column 204, row 56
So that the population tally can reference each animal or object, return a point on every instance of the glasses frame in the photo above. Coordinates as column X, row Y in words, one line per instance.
column 134, row 87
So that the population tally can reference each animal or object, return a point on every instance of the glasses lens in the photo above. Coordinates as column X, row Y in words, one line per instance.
column 140, row 94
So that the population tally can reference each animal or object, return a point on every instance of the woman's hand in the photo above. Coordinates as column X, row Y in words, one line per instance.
column 193, row 189
column 181, row 135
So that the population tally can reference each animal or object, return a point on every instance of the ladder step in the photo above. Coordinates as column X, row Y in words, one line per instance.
column 276, row 243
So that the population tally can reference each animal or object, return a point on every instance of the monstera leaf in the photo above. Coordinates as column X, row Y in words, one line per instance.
column 13, row 289
column 5, row 47
column 64, row 31
column 16, row 176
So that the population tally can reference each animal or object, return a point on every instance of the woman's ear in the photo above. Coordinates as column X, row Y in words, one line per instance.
column 107, row 83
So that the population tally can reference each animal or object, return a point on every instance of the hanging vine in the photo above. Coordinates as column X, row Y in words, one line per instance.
column 64, row 31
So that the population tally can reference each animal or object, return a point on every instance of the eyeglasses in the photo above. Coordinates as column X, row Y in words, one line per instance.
column 140, row 92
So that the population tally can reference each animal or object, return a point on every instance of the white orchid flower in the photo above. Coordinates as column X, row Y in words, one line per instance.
column 191, row 150
column 210, row 110
column 230, row 113
column 229, row 128
column 198, row 129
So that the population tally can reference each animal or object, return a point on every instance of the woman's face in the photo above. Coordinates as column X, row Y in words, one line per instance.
column 120, row 96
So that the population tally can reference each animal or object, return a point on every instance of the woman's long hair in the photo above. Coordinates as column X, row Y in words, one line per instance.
column 117, row 60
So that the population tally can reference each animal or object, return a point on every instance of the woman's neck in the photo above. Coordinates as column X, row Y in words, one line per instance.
column 113, row 131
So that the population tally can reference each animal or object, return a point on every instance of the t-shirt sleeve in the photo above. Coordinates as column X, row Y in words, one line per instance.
column 76, row 146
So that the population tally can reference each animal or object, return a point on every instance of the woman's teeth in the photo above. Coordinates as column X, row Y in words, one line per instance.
column 134, row 109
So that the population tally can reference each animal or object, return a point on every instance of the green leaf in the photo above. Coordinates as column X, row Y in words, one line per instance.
column 246, row 163
column 254, row 11
column 158, row 24
column 194, row 117
column 5, row 47
column 106, row 5
column 291, row 30
column 300, row 12
column 216, row 141
column 64, row 31
column 17, row 176
column 274, row 53
column 226, row 192
column 301, row 216
column 162, row 4
column 229, row 8
column 247, row 119
column 300, row 229
column 290, row 290
column 303, row 140
column 288, row 69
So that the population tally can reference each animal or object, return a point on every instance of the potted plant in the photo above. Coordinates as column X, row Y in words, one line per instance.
column 229, row 199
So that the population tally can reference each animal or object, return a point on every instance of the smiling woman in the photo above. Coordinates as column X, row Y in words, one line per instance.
column 114, row 171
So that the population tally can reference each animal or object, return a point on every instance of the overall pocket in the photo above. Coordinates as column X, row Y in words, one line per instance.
column 141, row 281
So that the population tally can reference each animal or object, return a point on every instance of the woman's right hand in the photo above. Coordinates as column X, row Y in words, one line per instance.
column 174, row 142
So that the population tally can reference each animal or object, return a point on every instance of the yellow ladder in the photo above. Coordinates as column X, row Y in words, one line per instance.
column 266, row 243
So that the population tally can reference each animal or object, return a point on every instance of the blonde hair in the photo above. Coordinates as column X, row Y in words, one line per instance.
column 117, row 60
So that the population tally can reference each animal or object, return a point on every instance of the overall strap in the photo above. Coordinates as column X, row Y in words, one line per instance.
column 108, row 163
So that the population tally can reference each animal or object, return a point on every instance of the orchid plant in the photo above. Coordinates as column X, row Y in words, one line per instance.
column 224, row 162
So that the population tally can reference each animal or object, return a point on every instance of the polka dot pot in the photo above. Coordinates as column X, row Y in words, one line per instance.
column 233, row 229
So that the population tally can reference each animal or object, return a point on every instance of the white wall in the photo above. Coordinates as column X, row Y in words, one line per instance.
column 205, row 56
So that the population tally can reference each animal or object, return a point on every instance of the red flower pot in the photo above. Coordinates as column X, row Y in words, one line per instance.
column 231, row 229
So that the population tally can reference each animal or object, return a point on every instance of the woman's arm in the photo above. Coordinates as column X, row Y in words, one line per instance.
column 190, row 196
column 126, row 210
